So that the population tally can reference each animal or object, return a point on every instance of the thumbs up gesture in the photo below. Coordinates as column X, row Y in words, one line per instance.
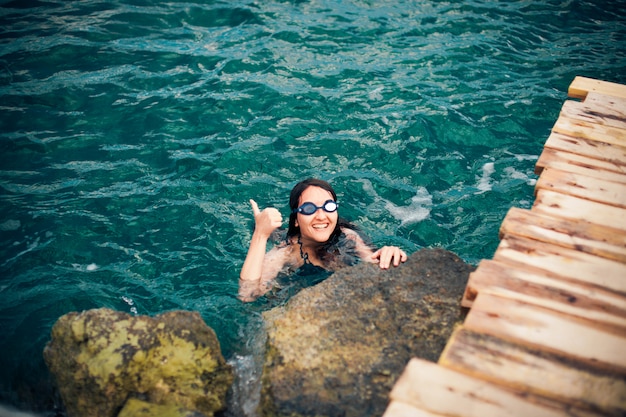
column 266, row 221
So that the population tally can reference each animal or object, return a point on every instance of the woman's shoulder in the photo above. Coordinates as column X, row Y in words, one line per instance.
column 360, row 243
column 350, row 233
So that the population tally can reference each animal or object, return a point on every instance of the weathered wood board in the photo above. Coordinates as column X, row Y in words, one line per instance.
column 574, row 265
column 615, row 106
column 575, row 208
column 581, row 86
column 439, row 390
column 615, row 155
column 581, row 340
column 590, row 131
column 570, row 162
column 593, row 189
column 606, row 308
column 522, row 368
column 597, row 109
column 579, row 235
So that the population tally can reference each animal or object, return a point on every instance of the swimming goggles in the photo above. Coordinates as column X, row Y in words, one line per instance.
column 309, row 208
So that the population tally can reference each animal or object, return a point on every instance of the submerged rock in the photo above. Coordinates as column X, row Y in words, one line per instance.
column 102, row 358
column 336, row 349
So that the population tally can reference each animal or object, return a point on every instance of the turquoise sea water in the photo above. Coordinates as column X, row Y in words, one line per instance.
column 133, row 133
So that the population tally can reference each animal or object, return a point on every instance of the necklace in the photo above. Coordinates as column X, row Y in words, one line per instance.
column 303, row 255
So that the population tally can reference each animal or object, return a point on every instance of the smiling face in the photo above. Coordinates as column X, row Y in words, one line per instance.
column 317, row 227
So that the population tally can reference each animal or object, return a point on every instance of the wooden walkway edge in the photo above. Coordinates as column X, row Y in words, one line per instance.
column 546, row 331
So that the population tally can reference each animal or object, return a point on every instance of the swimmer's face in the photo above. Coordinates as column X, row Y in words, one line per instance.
column 318, row 226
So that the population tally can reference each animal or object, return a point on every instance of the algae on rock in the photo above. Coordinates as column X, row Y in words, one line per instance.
column 101, row 358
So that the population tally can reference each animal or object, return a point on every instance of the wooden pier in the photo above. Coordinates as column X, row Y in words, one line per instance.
column 546, row 331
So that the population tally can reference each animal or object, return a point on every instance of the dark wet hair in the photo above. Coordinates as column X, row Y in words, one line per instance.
column 294, row 199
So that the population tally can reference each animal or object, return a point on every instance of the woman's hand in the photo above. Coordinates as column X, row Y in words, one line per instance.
column 255, row 273
column 266, row 221
column 385, row 255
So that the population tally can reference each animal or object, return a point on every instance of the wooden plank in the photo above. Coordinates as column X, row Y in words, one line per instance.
column 428, row 386
column 592, row 312
column 400, row 409
column 597, row 109
column 593, row 189
column 570, row 297
column 613, row 106
column 526, row 279
column 590, row 131
column 575, row 208
column 557, row 260
column 579, row 235
column 584, row 165
column 596, row 346
column 522, row 368
column 581, row 86
column 613, row 154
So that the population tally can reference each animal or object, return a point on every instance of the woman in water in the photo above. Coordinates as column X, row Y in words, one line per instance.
column 316, row 237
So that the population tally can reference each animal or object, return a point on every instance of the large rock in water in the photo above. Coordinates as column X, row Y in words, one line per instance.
column 102, row 358
column 336, row 349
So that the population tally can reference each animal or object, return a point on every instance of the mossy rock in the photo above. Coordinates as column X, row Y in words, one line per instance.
column 139, row 408
column 102, row 357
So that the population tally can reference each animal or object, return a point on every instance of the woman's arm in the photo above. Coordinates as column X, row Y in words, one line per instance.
column 384, row 256
column 274, row 261
column 256, row 273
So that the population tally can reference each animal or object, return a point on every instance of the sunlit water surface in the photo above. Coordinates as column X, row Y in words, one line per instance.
column 133, row 133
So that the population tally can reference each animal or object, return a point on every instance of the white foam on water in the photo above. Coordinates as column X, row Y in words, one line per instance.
column 485, row 182
column 85, row 268
column 518, row 175
column 524, row 157
column 131, row 303
column 246, row 389
column 418, row 210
